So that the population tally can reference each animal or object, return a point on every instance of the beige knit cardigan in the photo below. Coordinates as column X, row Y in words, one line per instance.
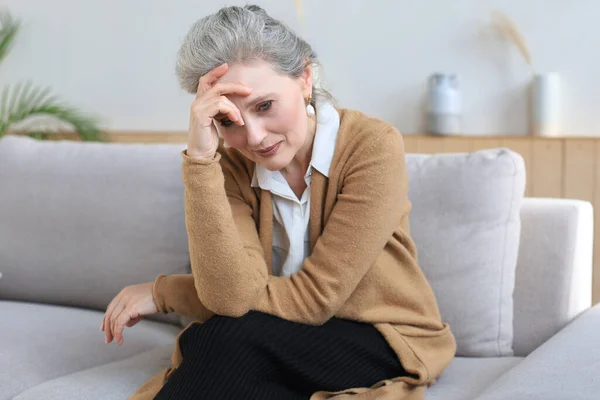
column 363, row 264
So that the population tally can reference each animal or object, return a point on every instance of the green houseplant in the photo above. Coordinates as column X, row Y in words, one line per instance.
column 24, row 101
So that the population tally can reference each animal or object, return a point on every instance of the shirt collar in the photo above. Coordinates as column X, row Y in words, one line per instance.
column 328, row 125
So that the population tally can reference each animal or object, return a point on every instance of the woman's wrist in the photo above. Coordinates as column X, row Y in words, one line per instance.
column 194, row 152
column 158, row 301
column 199, row 155
column 198, row 151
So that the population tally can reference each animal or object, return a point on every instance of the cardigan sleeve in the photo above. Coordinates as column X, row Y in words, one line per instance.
column 230, row 274
column 227, row 260
column 226, row 254
column 176, row 293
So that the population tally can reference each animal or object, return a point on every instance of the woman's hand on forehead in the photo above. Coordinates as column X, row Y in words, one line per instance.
column 210, row 103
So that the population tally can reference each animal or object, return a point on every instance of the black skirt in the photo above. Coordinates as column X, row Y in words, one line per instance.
column 259, row 356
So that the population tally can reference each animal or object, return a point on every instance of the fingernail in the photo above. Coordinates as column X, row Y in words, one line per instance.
column 105, row 340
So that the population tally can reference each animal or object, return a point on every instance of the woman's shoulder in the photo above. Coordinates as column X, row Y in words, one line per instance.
column 359, row 130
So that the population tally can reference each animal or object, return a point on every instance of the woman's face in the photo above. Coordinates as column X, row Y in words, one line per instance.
column 276, row 122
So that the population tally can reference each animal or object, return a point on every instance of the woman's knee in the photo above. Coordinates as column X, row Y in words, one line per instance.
column 226, row 331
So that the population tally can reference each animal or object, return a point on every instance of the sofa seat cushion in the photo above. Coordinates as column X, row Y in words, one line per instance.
column 42, row 342
column 563, row 368
column 466, row 378
column 125, row 377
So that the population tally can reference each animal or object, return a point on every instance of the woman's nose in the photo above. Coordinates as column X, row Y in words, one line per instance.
column 255, row 134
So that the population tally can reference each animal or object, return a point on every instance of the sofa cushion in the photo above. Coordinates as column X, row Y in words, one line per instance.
column 554, row 276
column 79, row 221
column 42, row 342
column 125, row 377
column 465, row 223
column 466, row 378
column 564, row 368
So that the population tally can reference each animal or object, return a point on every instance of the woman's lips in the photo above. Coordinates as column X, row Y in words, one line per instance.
column 269, row 151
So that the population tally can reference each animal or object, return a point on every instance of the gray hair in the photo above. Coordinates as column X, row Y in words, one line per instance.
column 242, row 35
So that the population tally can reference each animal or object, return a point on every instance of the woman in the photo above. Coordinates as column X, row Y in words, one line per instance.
column 304, row 277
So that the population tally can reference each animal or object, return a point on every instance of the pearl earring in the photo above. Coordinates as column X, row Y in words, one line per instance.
column 310, row 110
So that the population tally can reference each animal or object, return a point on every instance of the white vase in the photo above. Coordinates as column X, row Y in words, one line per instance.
column 444, row 105
column 546, row 105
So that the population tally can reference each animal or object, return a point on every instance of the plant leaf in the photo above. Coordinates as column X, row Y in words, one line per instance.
column 21, row 102
column 8, row 31
column 3, row 110
column 14, row 100
column 37, row 100
column 26, row 102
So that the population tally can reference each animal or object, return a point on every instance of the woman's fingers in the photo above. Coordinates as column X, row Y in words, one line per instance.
column 221, row 104
column 127, row 309
column 106, row 322
column 221, row 89
column 211, row 104
column 115, row 316
column 210, row 78
column 208, row 83
column 224, row 107
column 219, row 109
column 126, row 315
column 134, row 321
column 110, row 318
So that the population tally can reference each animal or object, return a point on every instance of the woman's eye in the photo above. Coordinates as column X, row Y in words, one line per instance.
column 226, row 122
column 265, row 106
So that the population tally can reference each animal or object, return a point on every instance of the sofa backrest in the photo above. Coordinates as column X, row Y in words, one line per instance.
column 80, row 221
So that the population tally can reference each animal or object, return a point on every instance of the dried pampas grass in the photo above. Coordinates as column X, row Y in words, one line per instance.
column 299, row 9
column 510, row 31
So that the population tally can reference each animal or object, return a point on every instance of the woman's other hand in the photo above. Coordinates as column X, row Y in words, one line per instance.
column 211, row 103
column 127, row 309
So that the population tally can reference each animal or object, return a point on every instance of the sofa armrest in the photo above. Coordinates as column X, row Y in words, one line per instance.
column 565, row 367
column 554, row 269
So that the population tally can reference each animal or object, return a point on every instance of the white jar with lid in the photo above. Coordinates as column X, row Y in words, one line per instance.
column 444, row 105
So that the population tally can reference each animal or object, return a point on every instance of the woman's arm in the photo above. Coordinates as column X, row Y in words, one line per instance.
column 176, row 293
column 228, row 262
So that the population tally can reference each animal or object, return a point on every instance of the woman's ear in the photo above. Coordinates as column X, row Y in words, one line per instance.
column 307, row 80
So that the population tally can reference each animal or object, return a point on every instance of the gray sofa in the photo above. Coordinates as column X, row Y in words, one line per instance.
column 80, row 221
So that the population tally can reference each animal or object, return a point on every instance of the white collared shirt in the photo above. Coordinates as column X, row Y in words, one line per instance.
column 291, row 241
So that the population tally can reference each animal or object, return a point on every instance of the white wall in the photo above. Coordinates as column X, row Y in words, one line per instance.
column 116, row 57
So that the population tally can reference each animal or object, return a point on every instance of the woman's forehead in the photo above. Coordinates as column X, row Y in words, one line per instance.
column 253, row 75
